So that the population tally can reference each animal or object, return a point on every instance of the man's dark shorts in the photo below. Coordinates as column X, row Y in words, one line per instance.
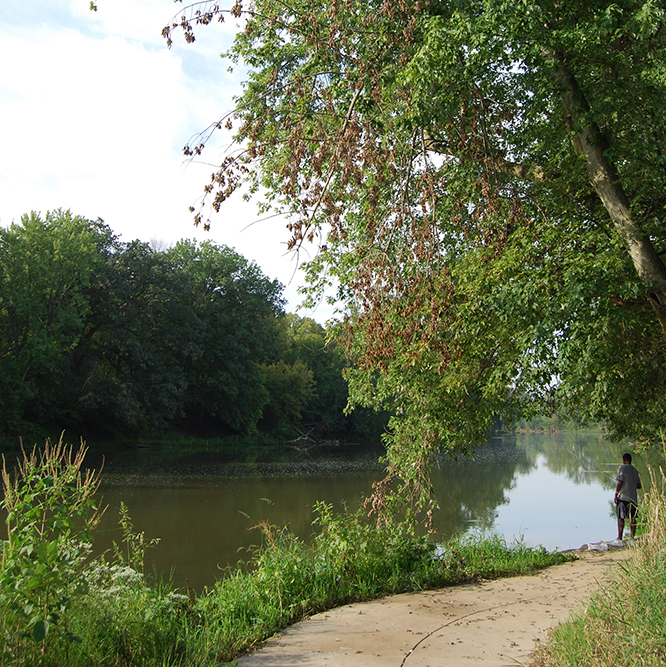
column 627, row 510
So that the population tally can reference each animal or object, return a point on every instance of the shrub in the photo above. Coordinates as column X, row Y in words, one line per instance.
column 51, row 512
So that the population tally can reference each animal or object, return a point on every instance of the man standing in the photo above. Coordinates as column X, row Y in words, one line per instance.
column 626, row 495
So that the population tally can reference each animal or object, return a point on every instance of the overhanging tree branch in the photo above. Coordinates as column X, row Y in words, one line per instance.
column 493, row 163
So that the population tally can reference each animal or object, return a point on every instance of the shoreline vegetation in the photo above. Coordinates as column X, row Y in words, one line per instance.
column 263, row 449
column 60, row 607
column 229, row 448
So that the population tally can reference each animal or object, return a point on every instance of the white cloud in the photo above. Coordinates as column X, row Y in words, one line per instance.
column 95, row 113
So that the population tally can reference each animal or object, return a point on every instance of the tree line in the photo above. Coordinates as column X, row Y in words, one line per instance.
column 118, row 338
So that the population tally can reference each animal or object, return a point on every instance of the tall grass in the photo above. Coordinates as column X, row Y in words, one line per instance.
column 624, row 623
column 112, row 617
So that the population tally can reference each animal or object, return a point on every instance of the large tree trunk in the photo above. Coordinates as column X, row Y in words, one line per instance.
column 590, row 143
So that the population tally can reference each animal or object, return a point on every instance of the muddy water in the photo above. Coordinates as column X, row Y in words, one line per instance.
column 553, row 490
column 550, row 490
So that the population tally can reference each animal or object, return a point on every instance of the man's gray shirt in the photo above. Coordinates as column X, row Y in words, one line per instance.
column 630, row 479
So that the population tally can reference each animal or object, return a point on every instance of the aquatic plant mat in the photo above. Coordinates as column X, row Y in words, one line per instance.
column 625, row 621
column 59, row 607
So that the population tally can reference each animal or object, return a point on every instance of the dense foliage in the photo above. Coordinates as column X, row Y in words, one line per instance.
column 117, row 338
column 485, row 181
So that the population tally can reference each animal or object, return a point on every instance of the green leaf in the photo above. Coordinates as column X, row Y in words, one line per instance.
column 40, row 629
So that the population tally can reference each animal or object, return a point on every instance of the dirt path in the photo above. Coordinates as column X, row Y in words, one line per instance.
column 492, row 623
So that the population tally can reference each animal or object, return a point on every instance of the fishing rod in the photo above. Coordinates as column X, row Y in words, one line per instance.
column 590, row 472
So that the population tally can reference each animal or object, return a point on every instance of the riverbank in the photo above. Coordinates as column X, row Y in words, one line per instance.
column 58, row 607
column 606, row 608
column 116, row 618
column 489, row 623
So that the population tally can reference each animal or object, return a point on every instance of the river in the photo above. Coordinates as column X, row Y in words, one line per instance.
column 553, row 490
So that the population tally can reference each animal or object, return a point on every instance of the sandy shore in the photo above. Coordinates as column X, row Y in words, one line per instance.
column 494, row 623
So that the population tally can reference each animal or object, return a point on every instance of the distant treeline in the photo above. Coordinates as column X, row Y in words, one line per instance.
column 115, row 339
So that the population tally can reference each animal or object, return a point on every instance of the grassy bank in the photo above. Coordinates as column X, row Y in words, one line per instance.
column 625, row 622
column 57, row 607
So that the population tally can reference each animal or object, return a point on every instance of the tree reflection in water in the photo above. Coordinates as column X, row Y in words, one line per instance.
column 470, row 490
column 555, row 490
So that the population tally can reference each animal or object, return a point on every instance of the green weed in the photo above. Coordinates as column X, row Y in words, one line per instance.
column 51, row 513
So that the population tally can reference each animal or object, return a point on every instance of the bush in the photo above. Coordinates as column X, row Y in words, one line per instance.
column 51, row 513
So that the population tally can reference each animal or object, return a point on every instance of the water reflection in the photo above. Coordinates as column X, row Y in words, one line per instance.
column 206, row 521
column 554, row 490
column 567, row 498
column 583, row 459
column 469, row 491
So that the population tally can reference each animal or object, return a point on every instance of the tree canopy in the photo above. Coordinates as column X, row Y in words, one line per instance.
column 486, row 181
column 109, row 338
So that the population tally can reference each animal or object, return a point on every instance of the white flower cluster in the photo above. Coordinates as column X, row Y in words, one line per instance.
column 114, row 584
column 109, row 581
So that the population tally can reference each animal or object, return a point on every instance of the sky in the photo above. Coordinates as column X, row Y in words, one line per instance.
column 95, row 111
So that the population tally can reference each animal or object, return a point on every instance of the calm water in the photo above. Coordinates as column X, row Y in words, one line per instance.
column 551, row 490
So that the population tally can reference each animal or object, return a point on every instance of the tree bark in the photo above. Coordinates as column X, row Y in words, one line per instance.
column 590, row 143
